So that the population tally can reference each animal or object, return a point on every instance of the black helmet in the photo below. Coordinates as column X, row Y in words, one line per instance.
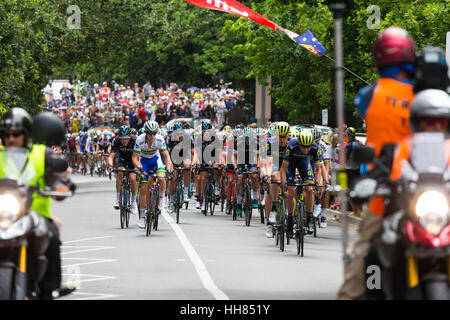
column 429, row 103
column 206, row 125
column 17, row 119
column 124, row 131
column 48, row 129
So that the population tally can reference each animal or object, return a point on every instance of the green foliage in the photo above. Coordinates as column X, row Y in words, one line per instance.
column 171, row 40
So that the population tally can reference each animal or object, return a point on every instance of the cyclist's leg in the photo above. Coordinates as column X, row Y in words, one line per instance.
column 186, row 178
column 161, row 172
column 254, row 181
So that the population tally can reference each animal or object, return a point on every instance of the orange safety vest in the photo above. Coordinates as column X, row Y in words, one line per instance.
column 387, row 120
column 387, row 117
column 401, row 154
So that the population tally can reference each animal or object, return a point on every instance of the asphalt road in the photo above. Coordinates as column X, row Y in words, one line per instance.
column 202, row 257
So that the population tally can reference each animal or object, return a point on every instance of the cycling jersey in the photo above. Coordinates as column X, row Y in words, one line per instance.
column 82, row 142
column 206, row 150
column 326, row 150
column 90, row 143
column 141, row 147
column 104, row 142
column 172, row 142
column 277, row 156
column 295, row 159
column 124, row 152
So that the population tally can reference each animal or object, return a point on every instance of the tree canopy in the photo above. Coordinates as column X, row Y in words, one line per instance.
column 171, row 40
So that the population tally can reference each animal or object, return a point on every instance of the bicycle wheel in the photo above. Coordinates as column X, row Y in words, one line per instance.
column 282, row 231
column 123, row 205
column 129, row 200
column 261, row 213
column 301, row 230
column 247, row 204
column 148, row 226
column 156, row 218
column 212, row 202
column 205, row 200
column 234, row 211
column 178, row 200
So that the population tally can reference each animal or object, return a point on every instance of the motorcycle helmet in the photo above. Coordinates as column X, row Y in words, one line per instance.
column 393, row 46
column 17, row 119
column 48, row 129
column 429, row 104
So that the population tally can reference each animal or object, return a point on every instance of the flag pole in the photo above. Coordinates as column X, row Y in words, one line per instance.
column 348, row 70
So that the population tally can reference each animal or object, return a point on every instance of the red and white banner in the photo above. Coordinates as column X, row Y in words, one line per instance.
column 234, row 7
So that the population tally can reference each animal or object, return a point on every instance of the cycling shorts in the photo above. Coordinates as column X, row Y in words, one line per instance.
column 104, row 149
column 152, row 164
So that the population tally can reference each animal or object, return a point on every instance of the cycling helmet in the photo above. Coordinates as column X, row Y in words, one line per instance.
column 177, row 126
column 429, row 104
column 206, row 125
column 239, row 126
column 124, row 131
column 305, row 138
column 99, row 133
column 141, row 131
column 170, row 128
column 133, row 131
column 282, row 128
column 393, row 46
column 151, row 126
column 294, row 133
column 74, row 135
column 351, row 131
column 249, row 132
column 227, row 128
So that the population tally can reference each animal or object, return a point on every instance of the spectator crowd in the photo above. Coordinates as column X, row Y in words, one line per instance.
column 82, row 107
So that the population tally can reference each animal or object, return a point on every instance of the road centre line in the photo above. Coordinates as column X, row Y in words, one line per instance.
column 199, row 266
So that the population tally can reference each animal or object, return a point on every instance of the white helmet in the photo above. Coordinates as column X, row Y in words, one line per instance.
column 99, row 133
column 151, row 126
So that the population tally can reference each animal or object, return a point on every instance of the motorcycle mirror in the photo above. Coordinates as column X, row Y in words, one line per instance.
column 364, row 154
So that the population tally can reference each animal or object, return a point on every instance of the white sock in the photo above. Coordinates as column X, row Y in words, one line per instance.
column 134, row 200
column 254, row 194
column 238, row 199
column 324, row 212
column 118, row 195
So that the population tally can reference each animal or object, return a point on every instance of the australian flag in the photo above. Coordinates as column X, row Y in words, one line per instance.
column 308, row 41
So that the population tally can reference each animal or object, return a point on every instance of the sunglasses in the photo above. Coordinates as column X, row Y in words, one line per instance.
column 432, row 122
column 124, row 138
column 14, row 134
column 305, row 147
column 151, row 133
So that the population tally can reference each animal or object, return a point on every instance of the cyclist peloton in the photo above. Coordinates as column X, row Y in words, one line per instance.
column 123, row 147
column 147, row 157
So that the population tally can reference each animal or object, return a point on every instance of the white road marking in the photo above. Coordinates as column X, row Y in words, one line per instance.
column 86, row 249
column 93, row 261
column 199, row 266
column 86, row 239
column 96, row 277
column 93, row 296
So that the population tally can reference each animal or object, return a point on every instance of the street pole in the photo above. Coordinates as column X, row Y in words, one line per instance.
column 338, row 12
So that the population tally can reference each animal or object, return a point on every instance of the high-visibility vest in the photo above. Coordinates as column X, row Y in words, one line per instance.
column 32, row 174
column 387, row 117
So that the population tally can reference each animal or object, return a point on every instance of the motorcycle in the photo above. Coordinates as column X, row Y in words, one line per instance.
column 412, row 248
column 24, row 234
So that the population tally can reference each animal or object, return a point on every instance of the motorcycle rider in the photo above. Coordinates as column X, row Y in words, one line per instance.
column 16, row 128
column 385, row 108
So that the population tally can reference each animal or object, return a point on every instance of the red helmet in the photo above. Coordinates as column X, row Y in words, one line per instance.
column 394, row 45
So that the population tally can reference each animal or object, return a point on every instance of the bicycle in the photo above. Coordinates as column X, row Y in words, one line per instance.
column 125, row 197
column 92, row 166
column 152, row 212
column 246, row 198
column 300, row 216
column 83, row 164
column 261, row 207
column 179, row 195
column 223, row 191
column 280, row 227
column 209, row 193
